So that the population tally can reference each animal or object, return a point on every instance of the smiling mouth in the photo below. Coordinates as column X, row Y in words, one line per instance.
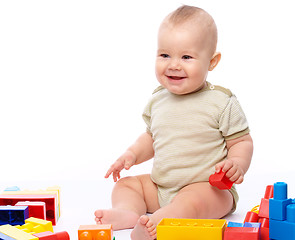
column 175, row 78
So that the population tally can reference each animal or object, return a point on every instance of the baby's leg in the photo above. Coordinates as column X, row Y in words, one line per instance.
column 131, row 198
column 197, row 200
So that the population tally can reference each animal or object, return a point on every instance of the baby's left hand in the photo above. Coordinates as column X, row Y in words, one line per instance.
column 233, row 171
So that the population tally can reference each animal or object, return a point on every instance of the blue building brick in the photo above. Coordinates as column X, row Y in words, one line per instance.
column 235, row 224
column 282, row 214
column 279, row 202
column 281, row 230
column 277, row 209
column 253, row 225
column 280, row 191
column 5, row 237
column 13, row 215
column 13, row 188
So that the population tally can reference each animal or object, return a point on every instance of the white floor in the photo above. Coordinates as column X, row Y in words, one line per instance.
column 80, row 198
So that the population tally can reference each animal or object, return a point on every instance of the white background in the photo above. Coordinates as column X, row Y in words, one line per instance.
column 76, row 75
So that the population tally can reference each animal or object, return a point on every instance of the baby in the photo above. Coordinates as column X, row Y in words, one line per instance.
column 193, row 129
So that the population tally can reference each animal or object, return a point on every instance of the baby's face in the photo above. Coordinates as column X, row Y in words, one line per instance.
column 183, row 58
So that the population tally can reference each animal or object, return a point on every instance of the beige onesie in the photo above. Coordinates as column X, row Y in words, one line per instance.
column 189, row 133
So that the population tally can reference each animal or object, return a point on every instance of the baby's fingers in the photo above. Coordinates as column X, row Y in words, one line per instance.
column 113, row 170
column 227, row 165
column 224, row 166
column 240, row 180
column 116, row 176
column 237, row 178
column 219, row 166
column 109, row 172
column 235, row 175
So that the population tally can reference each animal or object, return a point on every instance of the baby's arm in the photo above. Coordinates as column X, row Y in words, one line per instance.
column 141, row 151
column 238, row 158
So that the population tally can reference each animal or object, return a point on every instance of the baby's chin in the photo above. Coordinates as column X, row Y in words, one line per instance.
column 182, row 86
column 183, row 91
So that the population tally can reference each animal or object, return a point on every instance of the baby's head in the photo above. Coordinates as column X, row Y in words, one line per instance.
column 186, row 50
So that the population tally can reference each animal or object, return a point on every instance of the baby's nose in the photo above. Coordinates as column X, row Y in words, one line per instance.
column 174, row 64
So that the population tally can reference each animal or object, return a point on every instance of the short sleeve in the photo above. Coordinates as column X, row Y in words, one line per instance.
column 147, row 112
column 147, row 117
column 233, row 122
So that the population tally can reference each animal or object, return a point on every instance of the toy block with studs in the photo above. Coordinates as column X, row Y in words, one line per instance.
column 16, row 233
column 52, row 209
column 281, row 214
column 50, row 201
column 35, row 225
column 220, row 180
column 36, row 209
column 260, row 214
column 279, row 202
column 5, row 237
column 12, row 188
column 190, row 229
column 264, row 205
column 95, row 232
column 251, row 217
column 13, row 215
column 242, row 233
column 52, row 236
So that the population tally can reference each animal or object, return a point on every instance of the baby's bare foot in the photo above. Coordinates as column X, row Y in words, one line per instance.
column 120, row 219
column 145, row 229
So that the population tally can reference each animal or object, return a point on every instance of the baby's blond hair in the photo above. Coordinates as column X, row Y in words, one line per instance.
column 183, row 14
column 198, row 16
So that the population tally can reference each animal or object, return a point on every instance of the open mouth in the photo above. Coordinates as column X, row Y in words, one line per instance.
column 176, row 78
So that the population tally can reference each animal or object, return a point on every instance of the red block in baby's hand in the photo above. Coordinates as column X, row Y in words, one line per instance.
column 220, row 180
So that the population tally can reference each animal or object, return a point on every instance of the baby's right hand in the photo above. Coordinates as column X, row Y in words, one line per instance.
column 126, row 161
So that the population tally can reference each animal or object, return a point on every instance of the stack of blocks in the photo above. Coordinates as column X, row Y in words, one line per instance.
column 275, row 219
column 26, row 219
column 281, row 214
column 44, row 204
column 33, row 229
column 256, row 224
column 263, row 215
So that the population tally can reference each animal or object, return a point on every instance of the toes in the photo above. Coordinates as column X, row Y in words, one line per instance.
column 98, row 216
column 153, row 233
column 98, row 220
column 98, row 213
column 144, row 219
column 149, row 226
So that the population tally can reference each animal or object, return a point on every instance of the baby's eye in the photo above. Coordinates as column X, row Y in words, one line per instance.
column 164, row 55
column 186, row 57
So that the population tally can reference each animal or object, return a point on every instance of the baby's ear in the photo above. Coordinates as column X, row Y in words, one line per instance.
column 214, row 61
